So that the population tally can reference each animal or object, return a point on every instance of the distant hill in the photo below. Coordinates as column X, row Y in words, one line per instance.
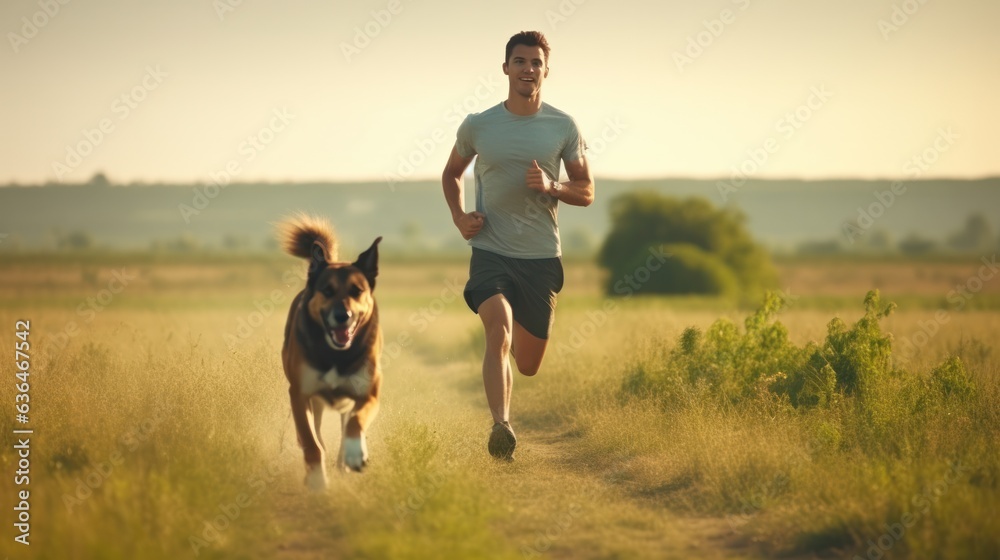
column 412, row 216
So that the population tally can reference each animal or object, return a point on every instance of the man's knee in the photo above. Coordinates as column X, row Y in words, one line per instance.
column 498, row 338
column 528, row 366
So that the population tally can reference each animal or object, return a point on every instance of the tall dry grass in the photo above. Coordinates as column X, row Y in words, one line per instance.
column 157, row 439
column 907, row 468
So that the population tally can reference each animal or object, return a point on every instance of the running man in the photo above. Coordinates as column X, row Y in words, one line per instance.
column 516, row 267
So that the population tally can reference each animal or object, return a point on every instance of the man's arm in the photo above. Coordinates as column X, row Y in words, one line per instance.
column 470, row 223
column 578, row 191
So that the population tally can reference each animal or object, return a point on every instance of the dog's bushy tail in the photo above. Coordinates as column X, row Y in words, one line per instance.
column 298, row 233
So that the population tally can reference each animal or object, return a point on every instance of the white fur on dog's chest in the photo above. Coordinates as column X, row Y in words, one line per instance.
column 357, row 383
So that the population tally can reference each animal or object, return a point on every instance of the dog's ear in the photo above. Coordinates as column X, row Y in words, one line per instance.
column 368, row 263
column 317, row 263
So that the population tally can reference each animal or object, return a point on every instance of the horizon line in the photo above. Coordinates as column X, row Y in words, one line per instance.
column 166, row 183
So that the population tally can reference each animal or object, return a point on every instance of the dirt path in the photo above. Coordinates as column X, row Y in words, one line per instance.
column 547, row 504
column 606, row 518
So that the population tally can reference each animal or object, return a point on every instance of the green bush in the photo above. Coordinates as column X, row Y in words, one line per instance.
column 860, row 353
column 851, row 362
column 644, row 220
column 950, row 379
column 683, row 269
column 728, row 363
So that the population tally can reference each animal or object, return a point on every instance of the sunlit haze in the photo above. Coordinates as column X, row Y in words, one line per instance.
column 375, row 89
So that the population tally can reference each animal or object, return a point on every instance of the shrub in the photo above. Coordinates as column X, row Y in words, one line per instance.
column 644, row 219
column 852, row 362
column 685, row 269
column 951, row 379
column 862, row 352
column 729, row 363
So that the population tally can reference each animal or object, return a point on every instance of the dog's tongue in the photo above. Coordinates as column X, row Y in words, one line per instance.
column 342, row 335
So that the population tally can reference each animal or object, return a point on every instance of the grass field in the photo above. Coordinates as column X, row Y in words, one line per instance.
column 162, row 428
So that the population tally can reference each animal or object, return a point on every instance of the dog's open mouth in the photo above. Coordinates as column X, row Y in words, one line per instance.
column 342, row 336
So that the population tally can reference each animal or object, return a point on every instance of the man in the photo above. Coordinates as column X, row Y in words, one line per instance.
column 516, row 266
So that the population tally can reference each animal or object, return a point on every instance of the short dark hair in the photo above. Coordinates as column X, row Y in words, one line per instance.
column 530, row 39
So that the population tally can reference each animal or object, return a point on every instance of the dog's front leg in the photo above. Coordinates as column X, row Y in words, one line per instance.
column 315, row 471
column 344, row 417
column 318, row 406
column 355, row 447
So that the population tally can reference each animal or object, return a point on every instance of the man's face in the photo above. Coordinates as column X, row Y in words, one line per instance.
column 526, row 69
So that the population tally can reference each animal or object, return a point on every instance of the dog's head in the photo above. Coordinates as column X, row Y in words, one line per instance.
column 339, row 295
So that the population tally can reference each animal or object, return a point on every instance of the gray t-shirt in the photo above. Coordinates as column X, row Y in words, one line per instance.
column 520, row 223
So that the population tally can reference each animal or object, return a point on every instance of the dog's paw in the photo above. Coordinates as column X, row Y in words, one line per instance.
column 316, row 478
column 355, row 453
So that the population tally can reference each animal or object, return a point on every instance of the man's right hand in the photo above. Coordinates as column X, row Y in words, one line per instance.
column 470, row 224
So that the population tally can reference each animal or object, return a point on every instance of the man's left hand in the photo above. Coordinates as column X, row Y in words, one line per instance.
column 537, row 179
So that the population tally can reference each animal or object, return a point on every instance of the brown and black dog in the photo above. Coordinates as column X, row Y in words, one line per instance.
column 332, row 346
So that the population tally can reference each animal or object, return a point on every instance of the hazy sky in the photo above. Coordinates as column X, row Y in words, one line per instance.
column 326, row 101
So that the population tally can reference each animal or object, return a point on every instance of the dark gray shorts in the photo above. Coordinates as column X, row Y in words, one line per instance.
column 530, row 285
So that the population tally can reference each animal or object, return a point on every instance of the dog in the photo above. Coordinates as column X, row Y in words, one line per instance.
column 332, row 347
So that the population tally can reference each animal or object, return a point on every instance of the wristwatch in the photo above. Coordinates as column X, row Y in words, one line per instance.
column 554, row 187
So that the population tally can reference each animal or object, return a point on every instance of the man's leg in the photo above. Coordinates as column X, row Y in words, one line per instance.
column 498, row 378
column 528, row 350
column 498, row 321
column 536, row 282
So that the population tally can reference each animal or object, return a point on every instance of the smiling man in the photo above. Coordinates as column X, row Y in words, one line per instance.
column 516, row 267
